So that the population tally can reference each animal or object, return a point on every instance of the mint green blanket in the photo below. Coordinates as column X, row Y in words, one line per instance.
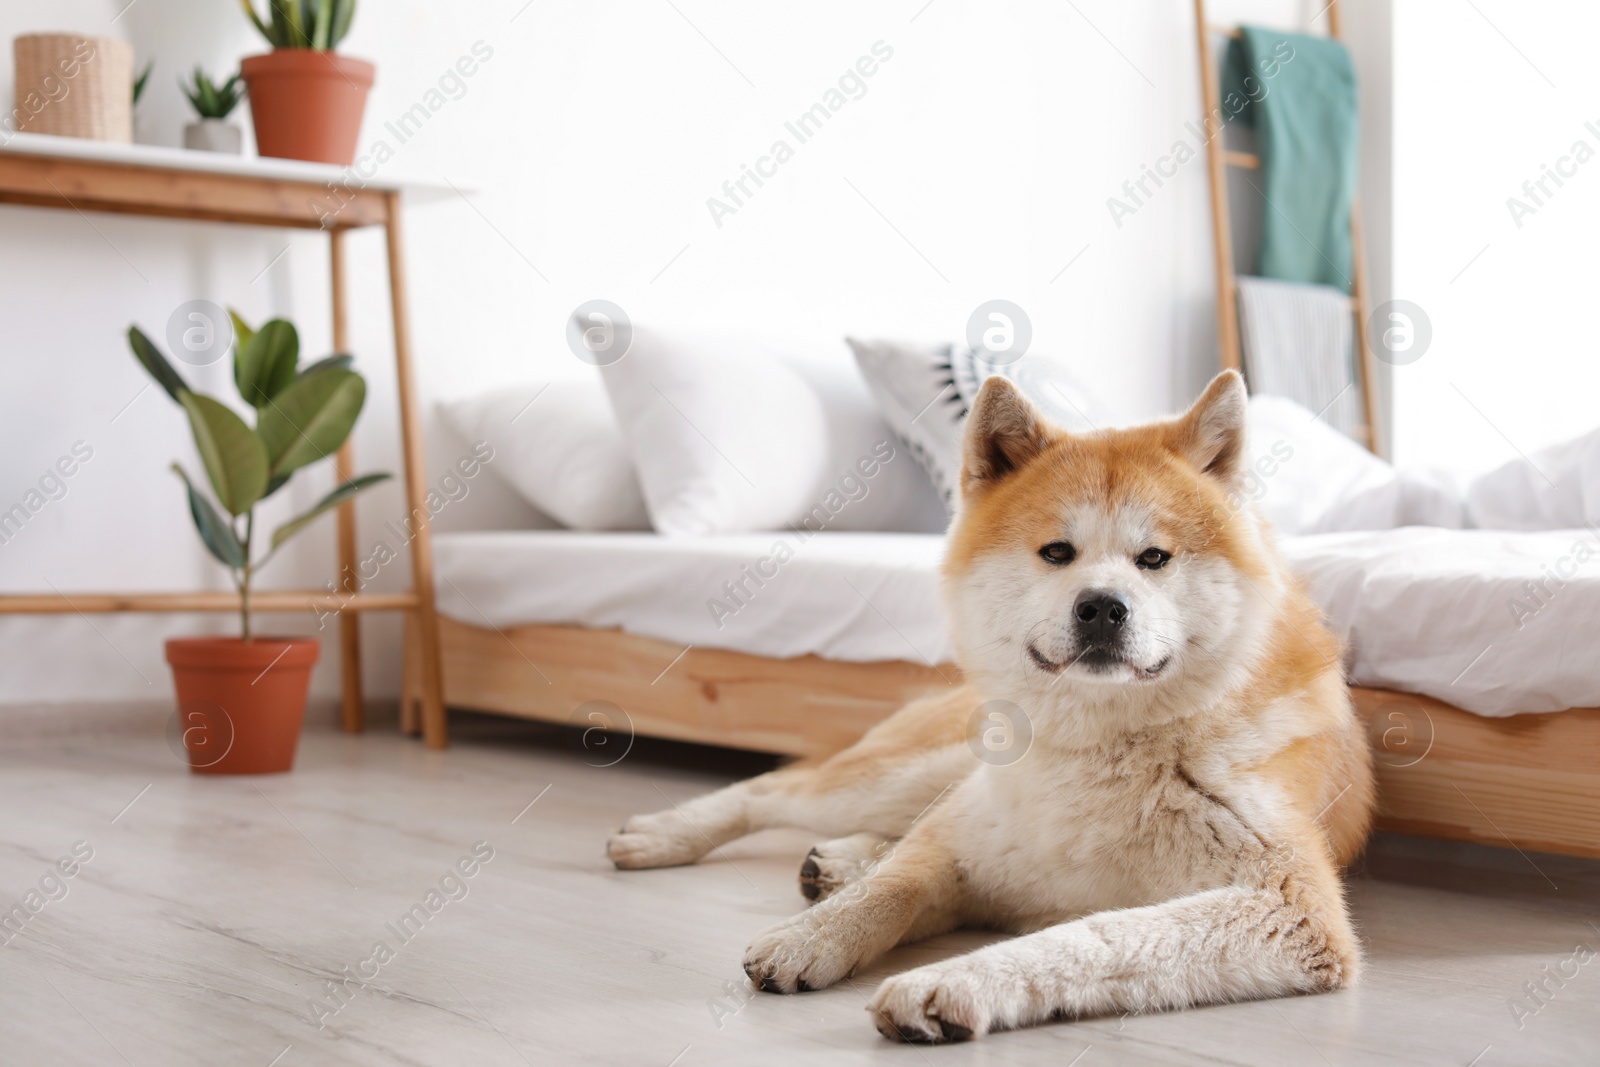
column 1299, row 93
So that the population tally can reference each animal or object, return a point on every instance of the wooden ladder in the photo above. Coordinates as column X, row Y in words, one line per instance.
column 1218, row 157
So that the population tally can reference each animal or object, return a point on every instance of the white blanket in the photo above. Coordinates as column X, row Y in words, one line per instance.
column 1493, row 622
column 1297, row 343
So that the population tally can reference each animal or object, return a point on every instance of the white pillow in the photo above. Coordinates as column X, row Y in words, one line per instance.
column 871, row 480
column 925, row 391
column 563, row 453
column 1557, row 488
column 1306, row 477
column 725, row 436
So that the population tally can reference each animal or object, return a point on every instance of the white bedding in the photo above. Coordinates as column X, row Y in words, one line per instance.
column 1424, row 610
column 1490, row 621
column 846, row 596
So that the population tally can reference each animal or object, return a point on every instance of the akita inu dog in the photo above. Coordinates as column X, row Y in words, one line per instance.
column 1196, row 775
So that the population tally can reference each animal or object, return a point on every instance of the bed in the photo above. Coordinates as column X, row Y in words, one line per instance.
column 798, row 649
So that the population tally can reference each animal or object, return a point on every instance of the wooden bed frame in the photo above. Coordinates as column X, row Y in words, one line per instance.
column 1530, row 782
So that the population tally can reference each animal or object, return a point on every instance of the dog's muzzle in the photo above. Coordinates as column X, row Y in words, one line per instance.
column 1099, row 618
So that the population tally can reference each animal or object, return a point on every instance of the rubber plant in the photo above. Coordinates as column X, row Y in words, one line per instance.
column 302, row 415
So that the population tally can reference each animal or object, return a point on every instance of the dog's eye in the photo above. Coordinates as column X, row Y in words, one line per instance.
column 1153, row 559
column 1058, row 552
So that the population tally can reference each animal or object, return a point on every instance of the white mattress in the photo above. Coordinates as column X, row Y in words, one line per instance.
column 846, row 596
column 1423, row 610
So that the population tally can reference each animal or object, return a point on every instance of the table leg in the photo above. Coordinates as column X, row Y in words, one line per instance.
column 344, row 468
column 410, row 686
column 435, row 729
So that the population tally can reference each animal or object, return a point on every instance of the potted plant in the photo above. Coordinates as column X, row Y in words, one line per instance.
column 250, row 690
column 306, row 100
column 213, row 103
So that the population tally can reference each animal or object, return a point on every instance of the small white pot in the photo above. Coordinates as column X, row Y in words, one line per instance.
column 214, row 135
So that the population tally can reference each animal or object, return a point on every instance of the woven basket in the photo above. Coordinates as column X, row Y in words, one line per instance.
column 74, row 86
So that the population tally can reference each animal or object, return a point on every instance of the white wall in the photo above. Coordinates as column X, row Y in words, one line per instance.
column 1485, row 98
column 991, row 141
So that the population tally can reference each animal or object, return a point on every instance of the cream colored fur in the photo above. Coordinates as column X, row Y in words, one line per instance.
column 1173, row 832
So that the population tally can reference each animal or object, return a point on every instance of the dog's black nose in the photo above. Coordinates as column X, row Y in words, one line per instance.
column 1100, row 614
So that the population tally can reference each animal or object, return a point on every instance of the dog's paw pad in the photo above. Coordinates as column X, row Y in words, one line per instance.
column 954, row 1031
column 831, row 866
column 812, row 884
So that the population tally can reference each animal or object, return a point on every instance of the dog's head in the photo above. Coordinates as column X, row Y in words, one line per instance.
column 1107, row 569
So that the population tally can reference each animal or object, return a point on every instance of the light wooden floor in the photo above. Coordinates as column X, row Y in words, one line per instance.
column 212, row 910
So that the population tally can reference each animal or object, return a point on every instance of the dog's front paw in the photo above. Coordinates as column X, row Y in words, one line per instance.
column 936, row 1003
column 664, row 839
column 807, row 952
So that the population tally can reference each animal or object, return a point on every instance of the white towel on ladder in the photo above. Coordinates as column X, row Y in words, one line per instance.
column 1297, row 343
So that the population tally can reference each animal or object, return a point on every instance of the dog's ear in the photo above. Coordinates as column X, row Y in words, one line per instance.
column 1211, row 434
column 1004, row 431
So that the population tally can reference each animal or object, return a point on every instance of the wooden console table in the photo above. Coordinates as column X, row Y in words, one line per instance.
column 83, row 176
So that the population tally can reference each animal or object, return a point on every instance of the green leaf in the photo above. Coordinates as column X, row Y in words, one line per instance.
column 233, row 455
column 327, row 503
column 214, row 530
column 153, row 361
column 294, row 28
column 139, row 82
column 337, row 361
column 210, row 100
column 269, row 33
column 241, row 329
column 323, row 25
column 232, row 92
column 344, row 12
column 282, row 28
column 264, row 366
column 311, row 418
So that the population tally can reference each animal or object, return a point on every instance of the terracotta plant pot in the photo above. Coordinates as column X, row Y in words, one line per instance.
column 241, row 703
column 307, row 104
